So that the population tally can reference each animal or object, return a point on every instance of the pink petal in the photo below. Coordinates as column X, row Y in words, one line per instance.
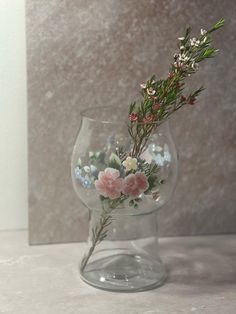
column 113, row 194
column 135, row 192
column 135, row 184
column 113, row 173
column 100, row 187
column 129, row 184
column 109, row 184
column 142, row 181
column 130, row 179
column 119, row 184
column 101, row 175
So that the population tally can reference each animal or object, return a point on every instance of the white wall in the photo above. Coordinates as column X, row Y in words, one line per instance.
column 13, row 127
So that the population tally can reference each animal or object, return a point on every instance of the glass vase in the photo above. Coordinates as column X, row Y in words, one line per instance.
column 123, row 179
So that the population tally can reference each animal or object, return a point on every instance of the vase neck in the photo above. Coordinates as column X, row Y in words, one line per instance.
column 127, row 227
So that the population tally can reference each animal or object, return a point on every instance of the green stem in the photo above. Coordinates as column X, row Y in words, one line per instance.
column 99, row 232
column 104, row 222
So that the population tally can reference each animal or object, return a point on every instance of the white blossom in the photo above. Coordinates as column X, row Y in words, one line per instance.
column 183, row 57
column 203, row 32
column 181, row 38
column 151, row 91
column 144, row 85
column 194, row 42
column 87, row 169
column 176, row 64
column 130, row 163
column 194, row 65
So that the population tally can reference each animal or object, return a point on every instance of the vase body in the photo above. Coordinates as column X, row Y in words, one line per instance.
column 128, row 259
column 123, row 193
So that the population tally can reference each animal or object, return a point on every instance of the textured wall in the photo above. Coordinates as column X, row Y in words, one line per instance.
column 86, row 52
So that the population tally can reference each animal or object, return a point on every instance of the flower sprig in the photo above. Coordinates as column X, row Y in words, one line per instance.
column 163, row 97
column 126, row 175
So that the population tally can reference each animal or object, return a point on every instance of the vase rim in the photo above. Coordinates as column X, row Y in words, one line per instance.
column 95, row 114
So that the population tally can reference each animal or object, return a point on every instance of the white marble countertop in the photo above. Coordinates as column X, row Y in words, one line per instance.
column 44, row 279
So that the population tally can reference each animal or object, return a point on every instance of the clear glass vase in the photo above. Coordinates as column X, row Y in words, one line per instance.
column 123, row 181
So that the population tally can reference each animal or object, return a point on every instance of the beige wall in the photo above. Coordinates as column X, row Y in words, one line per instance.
column 86, row 52
column 13, row 128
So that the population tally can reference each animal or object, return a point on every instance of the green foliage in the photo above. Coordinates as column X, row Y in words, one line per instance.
column 114, row 161
column 217, row 25
column 153, row 183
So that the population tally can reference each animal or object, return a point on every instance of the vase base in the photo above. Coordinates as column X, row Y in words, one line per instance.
column 125, row 273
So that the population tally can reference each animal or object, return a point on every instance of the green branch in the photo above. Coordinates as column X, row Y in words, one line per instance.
column 161, row 98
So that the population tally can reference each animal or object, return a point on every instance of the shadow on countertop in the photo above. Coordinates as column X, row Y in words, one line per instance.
column 208, row 262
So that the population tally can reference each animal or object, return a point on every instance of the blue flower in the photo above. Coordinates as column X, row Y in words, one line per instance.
column 78, row 172
column 86, row 183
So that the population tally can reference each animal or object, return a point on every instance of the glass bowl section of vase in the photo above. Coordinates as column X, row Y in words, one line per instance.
column 106, row 173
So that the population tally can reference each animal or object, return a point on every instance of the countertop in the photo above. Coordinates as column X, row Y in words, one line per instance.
column 44, row 279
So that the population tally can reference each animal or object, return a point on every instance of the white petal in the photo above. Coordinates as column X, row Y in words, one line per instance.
column 93, row 168
column 158, row 148
column 151, row 91
column 87, row 169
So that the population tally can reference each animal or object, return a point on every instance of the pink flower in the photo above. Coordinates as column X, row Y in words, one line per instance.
column 135, row 184
column 156, row 106
column 192, row 100
column 133, row 117
column 148, row 118
column 170, row 75
column 109, row 183
column 183, row 98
